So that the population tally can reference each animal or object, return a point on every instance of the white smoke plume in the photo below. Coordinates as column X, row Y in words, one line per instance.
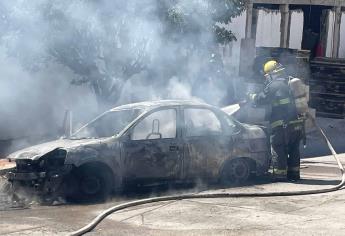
column 89, row 55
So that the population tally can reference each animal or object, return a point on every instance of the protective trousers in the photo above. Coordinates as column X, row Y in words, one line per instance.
column 285, row 143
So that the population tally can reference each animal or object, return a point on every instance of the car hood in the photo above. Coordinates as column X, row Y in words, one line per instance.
column 35, row 152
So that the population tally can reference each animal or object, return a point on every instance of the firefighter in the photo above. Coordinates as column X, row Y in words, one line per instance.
column 286, row 127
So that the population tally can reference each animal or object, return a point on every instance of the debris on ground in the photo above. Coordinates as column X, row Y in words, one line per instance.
column 10, row 200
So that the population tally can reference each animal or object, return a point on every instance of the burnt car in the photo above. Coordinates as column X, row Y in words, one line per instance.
column 145, row 143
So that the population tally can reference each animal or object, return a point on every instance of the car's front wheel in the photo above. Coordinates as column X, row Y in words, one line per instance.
column 235, row 172
column 90, row 183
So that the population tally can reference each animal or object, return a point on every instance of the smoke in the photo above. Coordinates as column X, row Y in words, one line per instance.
column 88, row 55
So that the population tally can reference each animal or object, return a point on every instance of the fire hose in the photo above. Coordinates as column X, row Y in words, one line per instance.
column 116, row 208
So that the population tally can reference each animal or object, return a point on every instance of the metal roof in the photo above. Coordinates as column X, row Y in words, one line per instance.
column 158, row 103
column 302, row 2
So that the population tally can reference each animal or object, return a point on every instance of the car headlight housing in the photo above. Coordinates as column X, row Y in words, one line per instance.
column 53, row 159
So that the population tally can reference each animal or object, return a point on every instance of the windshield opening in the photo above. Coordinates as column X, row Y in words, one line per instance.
column 108, row 124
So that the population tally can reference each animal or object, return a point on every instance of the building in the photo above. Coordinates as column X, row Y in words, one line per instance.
column 314, row 25
column 317, row 23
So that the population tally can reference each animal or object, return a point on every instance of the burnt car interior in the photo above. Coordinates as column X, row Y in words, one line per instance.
column 157, row 125
column 200, row 122
column 155, row 130
column 108, row 124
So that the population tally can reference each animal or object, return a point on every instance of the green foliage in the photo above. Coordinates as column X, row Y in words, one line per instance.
column 182, row 17
column 223, row 36
column 225, row 10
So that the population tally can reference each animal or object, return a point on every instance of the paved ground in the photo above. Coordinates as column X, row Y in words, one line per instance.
column 321, row 214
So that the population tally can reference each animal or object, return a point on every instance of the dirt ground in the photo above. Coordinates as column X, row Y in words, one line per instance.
column 321, row 214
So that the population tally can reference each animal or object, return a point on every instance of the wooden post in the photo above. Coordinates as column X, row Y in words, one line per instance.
column 284, row 26
column 249, row 20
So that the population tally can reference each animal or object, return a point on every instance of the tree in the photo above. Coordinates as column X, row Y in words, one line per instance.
column 106, row 42
column 196, row 17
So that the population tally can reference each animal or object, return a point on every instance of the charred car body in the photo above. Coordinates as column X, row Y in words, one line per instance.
column 148, row 142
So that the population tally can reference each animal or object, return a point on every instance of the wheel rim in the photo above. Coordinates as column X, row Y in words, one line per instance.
column 91, row 185
column 239, row 170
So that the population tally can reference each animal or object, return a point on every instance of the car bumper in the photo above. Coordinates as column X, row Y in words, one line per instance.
column 39, row 182
column 14, row 176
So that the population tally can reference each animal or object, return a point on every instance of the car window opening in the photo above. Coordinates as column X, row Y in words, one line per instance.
column 109, row 124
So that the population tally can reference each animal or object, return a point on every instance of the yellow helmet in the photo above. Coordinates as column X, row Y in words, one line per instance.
column 270, row 66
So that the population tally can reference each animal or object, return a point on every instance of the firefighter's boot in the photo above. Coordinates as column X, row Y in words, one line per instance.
column 293, row 174
column 279, row 175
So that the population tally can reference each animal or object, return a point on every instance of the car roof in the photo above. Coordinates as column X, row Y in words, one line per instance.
column 149, row 105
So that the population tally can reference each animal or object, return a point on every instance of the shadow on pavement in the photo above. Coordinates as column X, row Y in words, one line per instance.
column 140, row 192
column 174, row 189
column 318, row 182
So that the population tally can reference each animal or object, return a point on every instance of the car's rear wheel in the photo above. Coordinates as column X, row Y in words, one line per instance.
column 235, row 172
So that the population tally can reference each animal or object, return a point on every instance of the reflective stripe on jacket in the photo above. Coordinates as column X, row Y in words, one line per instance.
column 277, row 94
column 297, row 122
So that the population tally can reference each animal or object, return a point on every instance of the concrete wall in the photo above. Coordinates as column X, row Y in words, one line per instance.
column 330, row 26
column 268, row 28
column 296, row 29
column 329, row 42
column 267, row 34
column 231, row 52
column 342, row 37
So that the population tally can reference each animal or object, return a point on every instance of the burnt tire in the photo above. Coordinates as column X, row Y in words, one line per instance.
column 89, row 184
column 235, row 172
column 5, row 186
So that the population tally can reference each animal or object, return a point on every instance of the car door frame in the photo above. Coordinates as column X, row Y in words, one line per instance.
column 206, row 173
column 176, row 141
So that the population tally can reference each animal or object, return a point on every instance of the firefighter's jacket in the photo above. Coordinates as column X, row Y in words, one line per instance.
column 277, row 94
